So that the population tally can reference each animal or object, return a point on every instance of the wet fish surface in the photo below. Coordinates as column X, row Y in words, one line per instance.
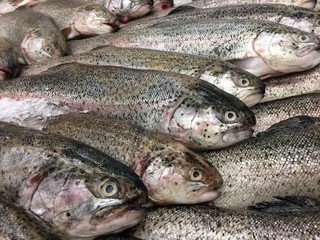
column 189, row 110
column 76, row 189
column 261, row 47
column 9, row 62
column 284, row 160
column 172, row 173
column 245, row 86
column 35, row 36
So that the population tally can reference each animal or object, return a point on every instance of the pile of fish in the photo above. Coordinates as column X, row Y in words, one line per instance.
column 142, row 119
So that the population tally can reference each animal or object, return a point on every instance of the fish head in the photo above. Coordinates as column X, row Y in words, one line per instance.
column 37, row 46
column 94, row 20
column 213, row 119
column 84, row 202
column 176, row 175
column 239, row 83
column 9, row 60
column 288, row 51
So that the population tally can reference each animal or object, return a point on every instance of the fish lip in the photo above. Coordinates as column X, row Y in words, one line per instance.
column 114, row 25
column 308, row 49
column 5, row 72
column 254, row 98
column 136, row 12
column 247, row 130
column 206, row 194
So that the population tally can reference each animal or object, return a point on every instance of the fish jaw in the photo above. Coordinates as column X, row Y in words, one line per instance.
column 5, row 72
column 310, row 4
column 178, row 176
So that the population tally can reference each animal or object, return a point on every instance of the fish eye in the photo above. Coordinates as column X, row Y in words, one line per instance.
column 244, row 82
column 303, row 38
column 108, row 188
column 230, row 115
column 195, row 174
column 318, row 22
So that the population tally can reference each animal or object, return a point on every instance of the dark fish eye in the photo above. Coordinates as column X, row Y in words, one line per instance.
column 230, row 116
column 195, row 174
column 244, row 82
column 108, row 188
column 318, row 22
column 303, row 38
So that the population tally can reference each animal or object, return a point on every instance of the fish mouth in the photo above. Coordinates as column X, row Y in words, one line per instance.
column 236, row 134
column 114, row 26
column 206, row 194
column 308, row 49
column 5, row 72
column 140, row 11
column 253, row 98
column 162, row 6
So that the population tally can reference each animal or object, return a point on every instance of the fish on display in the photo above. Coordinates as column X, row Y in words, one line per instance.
column 76, row 189
column 261, row 47
column 201, row 222
column 293, row 16
column 129, row 9
column 34, row 35
column 190, row 110
column 226, row 76
column 9, row 60
column 269, row 113
column 17, row 223
column 79, row 18
column 284, row 160
column 292, row 85
column 172, row 173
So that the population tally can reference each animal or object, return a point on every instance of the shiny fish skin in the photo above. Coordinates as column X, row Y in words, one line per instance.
column 293, row 16
column 269, row 113
column 190, row 110
column 157, row 160
column 34, row 35
column 281, row 161
column 16, row 223
column 79, row 18
column 261, row 47
column 64, row 183
column 245, row 86
column 9, row 63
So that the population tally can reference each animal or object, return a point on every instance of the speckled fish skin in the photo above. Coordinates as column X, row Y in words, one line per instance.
column 226, row 76
column 200, row 222
column 79, row 18
column 269, row 113
column 190, row 110
column 11, row 5
column 292, row 85
column 293, row 16
column 17, row 223
column 166, row 167
column 75, row 188
column 34, row 35
column 281, row 161
column 310, row 4
column 261, row 47
column 9, row 62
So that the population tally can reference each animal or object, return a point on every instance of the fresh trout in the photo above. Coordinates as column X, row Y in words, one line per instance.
column 269, row 113
column 9, row 60
column 17, row 223
column 76, row 189
column 200, row 222
column 79, row 18
column 35, row 36
column 284, row 160
column 292, row 85
column 172, row 173
column 245, row 86
column 293, row 16
column 261, row 47
column 189, row 110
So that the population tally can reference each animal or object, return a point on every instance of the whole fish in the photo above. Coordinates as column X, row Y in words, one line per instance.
column 189, row 110
column 201, row 222
column 292, row 85
column 79, row 18
column 261, row 47
column 269, row 113
column 35, row 36
column 9, row 60
column 310, row 4
column 172, row 173
column 245, row 86
column 293, row 16
column 78, row 190
column 284, row 160
column 129, row 9
column 17, row 223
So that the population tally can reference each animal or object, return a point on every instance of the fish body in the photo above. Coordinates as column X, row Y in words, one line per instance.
column 35, row 36
column 189, row 110
column 245, row 86
column 9, row 60
column 172, row 173
column 261, row 47
column 79, row 18
column 284, row 160
column 76, row 189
